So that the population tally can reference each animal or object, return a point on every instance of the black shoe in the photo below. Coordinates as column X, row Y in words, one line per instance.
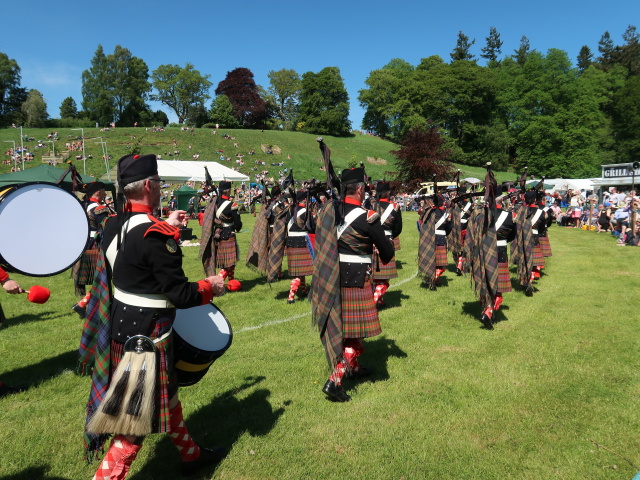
column 79, row 310
column 529, row 291
column 290, row 301
column 486, row 321
column 208, row 457
column 335, row 392
column 362, row 372
column 458, row 272
column 433, row 287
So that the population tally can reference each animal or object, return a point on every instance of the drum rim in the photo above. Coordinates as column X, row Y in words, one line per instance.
column 11, row 268
column 222, row 351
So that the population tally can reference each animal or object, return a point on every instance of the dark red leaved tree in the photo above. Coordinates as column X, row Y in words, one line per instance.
column 421, row 155
column 248, row 107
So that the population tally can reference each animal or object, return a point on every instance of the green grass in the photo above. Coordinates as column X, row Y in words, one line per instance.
column 449, row 399
column 306, row 159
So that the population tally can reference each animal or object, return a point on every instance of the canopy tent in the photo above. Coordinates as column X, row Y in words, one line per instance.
column 46, row 173
column 563, row 184
column 193, row 170
column 183, row 195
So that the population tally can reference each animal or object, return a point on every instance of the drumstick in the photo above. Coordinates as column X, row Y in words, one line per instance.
column 38, row 294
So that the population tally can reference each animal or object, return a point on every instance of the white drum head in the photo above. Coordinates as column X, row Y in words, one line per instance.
column 204, row 327
column 44, row 229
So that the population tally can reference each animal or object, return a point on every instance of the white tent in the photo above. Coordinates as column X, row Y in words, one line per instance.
column 192, row 170
column 571, row 183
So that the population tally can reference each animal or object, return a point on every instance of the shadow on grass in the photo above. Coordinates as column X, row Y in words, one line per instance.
column 377, row 353
column 32, row 473
column 393, row 298
column 32, row 375
column 13, row 321
column 220, row 423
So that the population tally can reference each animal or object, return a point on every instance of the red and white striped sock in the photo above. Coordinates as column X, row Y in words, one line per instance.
column 223, row 273
column 378, row 291
column 231, row 271
column 84, row 300
column 118, row 460
column 188, row 449
column 498, row 302
column 439, row 272
column 338, row 372
column 460, row 262
column 295, row 283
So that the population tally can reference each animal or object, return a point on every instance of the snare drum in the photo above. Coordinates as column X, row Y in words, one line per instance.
column 201, row 335
column 44, row 229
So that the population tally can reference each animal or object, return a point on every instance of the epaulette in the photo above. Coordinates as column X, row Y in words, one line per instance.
column 100, row 209
column 235, row 206
column 163, row 228
column 396, row 206
column 372, row 216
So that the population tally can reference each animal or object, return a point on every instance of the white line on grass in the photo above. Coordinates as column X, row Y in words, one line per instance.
column 305, row 314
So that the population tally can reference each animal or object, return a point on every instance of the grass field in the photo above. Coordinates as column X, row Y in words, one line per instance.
column 306, row 159
column 448, row 400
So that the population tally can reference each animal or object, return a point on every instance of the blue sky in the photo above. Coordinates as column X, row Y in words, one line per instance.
column 54, row 42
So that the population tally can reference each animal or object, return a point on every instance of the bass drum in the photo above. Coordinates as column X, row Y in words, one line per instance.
column 200, row 336
column 44, row 229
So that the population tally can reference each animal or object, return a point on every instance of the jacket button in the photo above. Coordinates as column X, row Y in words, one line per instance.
column 121, row 320
column 140, row 310
column 124, row 308
column 118, row 333
column 134, row 323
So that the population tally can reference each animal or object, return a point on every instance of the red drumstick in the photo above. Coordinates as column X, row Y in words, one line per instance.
column 38, row 294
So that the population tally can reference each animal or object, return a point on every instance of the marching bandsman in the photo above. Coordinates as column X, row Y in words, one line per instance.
column 505, row 233
column 128, row 332
column 96, row 212
column 219, row 247
column 538, row 221
column 299, row 260
column 543, row 237
column 391, row 221
column 432, row 248
column 12, row 287
column 342, row 300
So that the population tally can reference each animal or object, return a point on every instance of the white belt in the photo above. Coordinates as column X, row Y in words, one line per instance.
column 149, row 300
column 388, row 233
column 502, row 243
column 535, row 231
column 297, row 234
column 464, row 220
column 92, row 233
column 347, row 258
column 440, row 232
column 227, row 224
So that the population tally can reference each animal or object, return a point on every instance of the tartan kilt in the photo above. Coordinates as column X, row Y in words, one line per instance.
column 538, row 258
column 545, row 246
column 504, row 278
column 299, row 261
column 84, row 268
column 387, row 271
column 227, row 253
column 396, row 243
column 441, row 256
column 359, row 312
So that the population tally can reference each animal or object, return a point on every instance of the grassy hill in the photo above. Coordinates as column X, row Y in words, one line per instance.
column 298, row 150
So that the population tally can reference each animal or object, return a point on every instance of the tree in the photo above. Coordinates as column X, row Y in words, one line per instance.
column 248, row 106
column 629, row 53
column 68, row 108
column 324, row 103
column 383, row 101
column 34, row 110
column 285, row 89
column 607, row 51
column 11, row 94
column 626, row 121
column 221, row 112
column 180, row 88
column 494, row 47
column 115, row 84
column 422, row 154
column 461, row 52
column 523, row 51
column 585, row 58
column 197, row 115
